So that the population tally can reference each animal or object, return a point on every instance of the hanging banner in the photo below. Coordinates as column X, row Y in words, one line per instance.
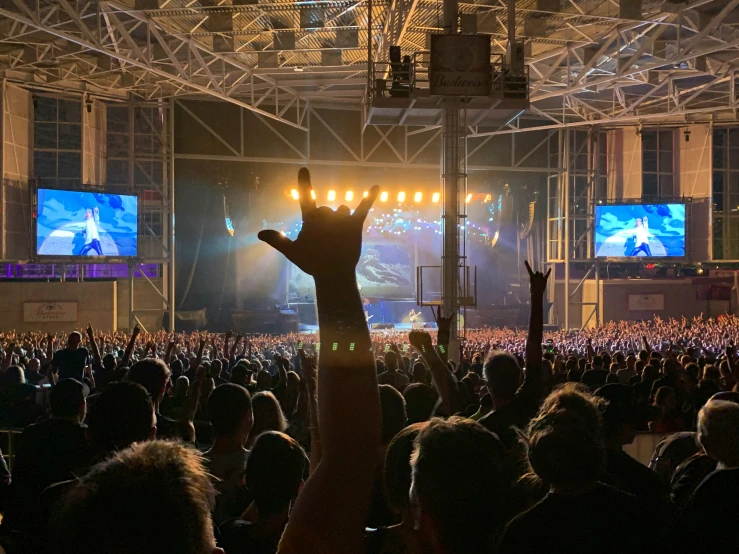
column 460, row 65
column 641, row 302
column 39, row 312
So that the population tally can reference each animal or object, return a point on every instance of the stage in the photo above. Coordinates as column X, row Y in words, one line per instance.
column 395, row 312
column 402, row 327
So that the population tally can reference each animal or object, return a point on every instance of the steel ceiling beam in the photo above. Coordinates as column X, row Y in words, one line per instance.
column 32, row 20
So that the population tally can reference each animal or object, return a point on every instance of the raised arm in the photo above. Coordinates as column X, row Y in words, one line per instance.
column 538, row 286
column 225, row 343
column 232, row 355
column 328, row 248
column 731, row 363
column 443, row 333
column 9, row 353
column 94, row 345
column 131, row 343
column 310, row 378
column 170, row 348
column 451, row 400
column 49, row 348
column 214, row 343
column 646, row 345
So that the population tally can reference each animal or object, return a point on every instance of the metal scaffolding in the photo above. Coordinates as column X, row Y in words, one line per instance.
column 571, row 198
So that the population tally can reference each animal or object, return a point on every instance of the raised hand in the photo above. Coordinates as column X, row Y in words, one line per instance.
column 421, row 341
column 329, row 242
column 444, row 326
column 537, row 280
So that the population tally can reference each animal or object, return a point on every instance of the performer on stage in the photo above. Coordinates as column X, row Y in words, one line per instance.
column 415, row 318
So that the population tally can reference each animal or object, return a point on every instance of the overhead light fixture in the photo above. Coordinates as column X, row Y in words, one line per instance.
column 435, row 197
column 418, row 197
column 331, row 195
column 468, row 199
column 349, row 196
column 383, row 196
column 401, row 197
column 295, row 194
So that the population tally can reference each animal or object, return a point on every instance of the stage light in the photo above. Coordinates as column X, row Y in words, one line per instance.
column 349, row 196
column 401, row 197
column 383, row 196
column 435, row 197
column 313, row 194
column 295, row 194
column 418, row 197
column 331, row 195
column 365, row 194
column 468, row 199
column 488, row 198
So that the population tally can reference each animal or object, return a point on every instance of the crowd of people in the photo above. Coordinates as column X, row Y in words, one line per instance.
column 509, row 440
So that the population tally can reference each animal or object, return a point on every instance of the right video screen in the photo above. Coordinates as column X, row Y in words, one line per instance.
column 640, row 231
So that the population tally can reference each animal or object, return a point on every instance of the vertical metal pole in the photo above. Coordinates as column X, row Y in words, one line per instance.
column 567, row 251
column 3, row 139
column 131, row 184
column 131, row 271
column 172, row 304
column 451, row 203
column 511, row 22
column 450, row 210
column 369, row 49
column 597, row 293
column 84, row 122
column 451, row 15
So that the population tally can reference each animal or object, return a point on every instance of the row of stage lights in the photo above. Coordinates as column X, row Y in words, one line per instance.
column 384, row 196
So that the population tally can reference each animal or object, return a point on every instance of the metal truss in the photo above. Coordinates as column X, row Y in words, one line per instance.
column 114, row 47
column 383, row 146
column 588, row 64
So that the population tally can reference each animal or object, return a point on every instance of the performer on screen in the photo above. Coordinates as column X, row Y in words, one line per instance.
column 92, row 237
column 641, row 237
column 414, row 317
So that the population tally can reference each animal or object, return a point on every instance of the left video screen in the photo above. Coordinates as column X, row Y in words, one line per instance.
column 81, row 223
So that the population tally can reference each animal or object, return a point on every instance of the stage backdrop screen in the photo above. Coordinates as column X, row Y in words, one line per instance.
column 384, row 270
column 640, row 230
column 78, row 223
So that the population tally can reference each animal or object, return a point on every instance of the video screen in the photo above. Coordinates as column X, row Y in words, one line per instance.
column 77, row 223
column 383, row 270
column 640, row 231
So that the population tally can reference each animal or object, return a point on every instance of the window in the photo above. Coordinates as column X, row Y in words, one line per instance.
column 725, row 194
column 657, row 165
column 57, row 141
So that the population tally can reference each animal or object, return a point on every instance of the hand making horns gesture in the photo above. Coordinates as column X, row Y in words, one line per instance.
column 330, row 242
